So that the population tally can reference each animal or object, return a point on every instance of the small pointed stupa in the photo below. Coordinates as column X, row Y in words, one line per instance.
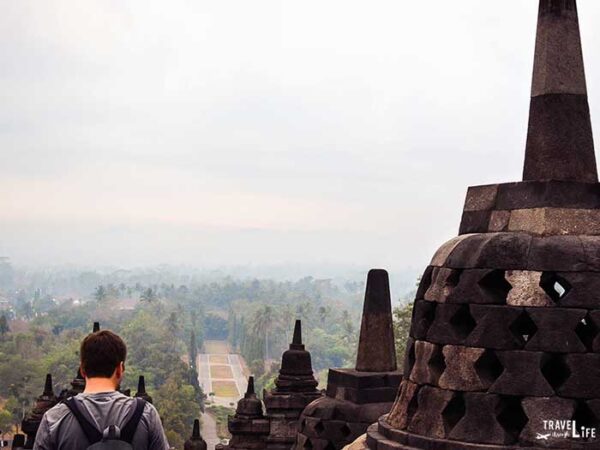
column 43, row 403
column 195, row 442
column 505, row 342
column 141, row 389
column 295, row 388
column 358, row 397
column 248, row 427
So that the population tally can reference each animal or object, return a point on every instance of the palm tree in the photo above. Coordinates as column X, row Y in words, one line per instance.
column 263, row 321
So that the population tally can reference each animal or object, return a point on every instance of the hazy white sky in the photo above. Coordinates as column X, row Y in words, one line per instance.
column 236, row 131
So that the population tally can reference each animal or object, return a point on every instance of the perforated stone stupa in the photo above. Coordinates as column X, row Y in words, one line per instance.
column 505, row 328
column 357, row 397
column 295, row 387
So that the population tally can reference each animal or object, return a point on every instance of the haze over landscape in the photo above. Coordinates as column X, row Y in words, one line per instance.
column 234, row 133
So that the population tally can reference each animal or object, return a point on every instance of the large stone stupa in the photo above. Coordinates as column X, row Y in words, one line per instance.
column 504, row 342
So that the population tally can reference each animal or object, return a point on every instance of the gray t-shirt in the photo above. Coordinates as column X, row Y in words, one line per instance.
column 60, row 430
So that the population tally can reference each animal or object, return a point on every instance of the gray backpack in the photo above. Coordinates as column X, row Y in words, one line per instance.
column 112, row 438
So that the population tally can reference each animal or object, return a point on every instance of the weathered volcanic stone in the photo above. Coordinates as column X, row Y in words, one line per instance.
column 460, row 373
column 522, row 375
column 425, row 283
column 428, row 418
column 582, row 375
column 494, row 328
column 423, row 316
column 544, row 408
column 405, row 405
column 429, row 363
column 376, row 351
column 526, row 289
column 480, row 286
column 481, row 198
column 475, row 222
column 443, row 281
column 557, row 253
column 480, row 423
column 355, row 398
column 499, row 221
column 452, row 324
column 440, row 257
column 556, row 330
column 559, row 118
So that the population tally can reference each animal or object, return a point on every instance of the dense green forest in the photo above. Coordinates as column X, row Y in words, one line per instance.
column 43, row 318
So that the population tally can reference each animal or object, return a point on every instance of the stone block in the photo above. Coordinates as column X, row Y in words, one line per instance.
column 495, row 328
column 582, row 376
column 474, row 222
column 465, row 254
column 491, row 251
column 505, row 251
column 558, row 254
column 441, row 255
column 581, row 289
column 540, row 194
column 428, row 419
column 423, row 316
column 499, row 221
column 443, row 280
column 556, row 221
column 405, row 405
column 409, row 357
column 480, row 286
column 425, row 283
column 537, row 411
column 480, row 423
column 591, row 250
column 460, row 373
column 526, row 289
column 522, row 375
column 429, row 363
column 481, row 198
column 556, row 330
column 452, row 324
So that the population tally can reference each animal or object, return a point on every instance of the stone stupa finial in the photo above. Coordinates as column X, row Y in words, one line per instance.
column 195, row 442
column 560, row 144
column 141, row 389
column 376, row 347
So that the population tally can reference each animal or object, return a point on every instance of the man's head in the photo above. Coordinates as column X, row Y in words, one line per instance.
column 103, row 356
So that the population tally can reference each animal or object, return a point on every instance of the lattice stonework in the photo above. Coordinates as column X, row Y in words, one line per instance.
column 506, row 322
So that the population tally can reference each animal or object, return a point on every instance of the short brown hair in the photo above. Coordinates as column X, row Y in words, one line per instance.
column 101, row 353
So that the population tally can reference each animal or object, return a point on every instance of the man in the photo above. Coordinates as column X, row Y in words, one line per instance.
column 103, row 408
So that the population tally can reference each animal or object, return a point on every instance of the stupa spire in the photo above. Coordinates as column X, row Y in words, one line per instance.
column 297, row 339
column 376, row 348
column 48, row 391
column 195, row 442
column 560, row 144
column 141, row 389
column 250, row 389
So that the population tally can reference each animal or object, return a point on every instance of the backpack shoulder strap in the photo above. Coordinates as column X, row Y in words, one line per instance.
column 129, row 429
column 90, row 431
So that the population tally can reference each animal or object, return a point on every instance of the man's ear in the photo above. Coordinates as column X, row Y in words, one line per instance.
column 81, row 370
column 120, row 370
